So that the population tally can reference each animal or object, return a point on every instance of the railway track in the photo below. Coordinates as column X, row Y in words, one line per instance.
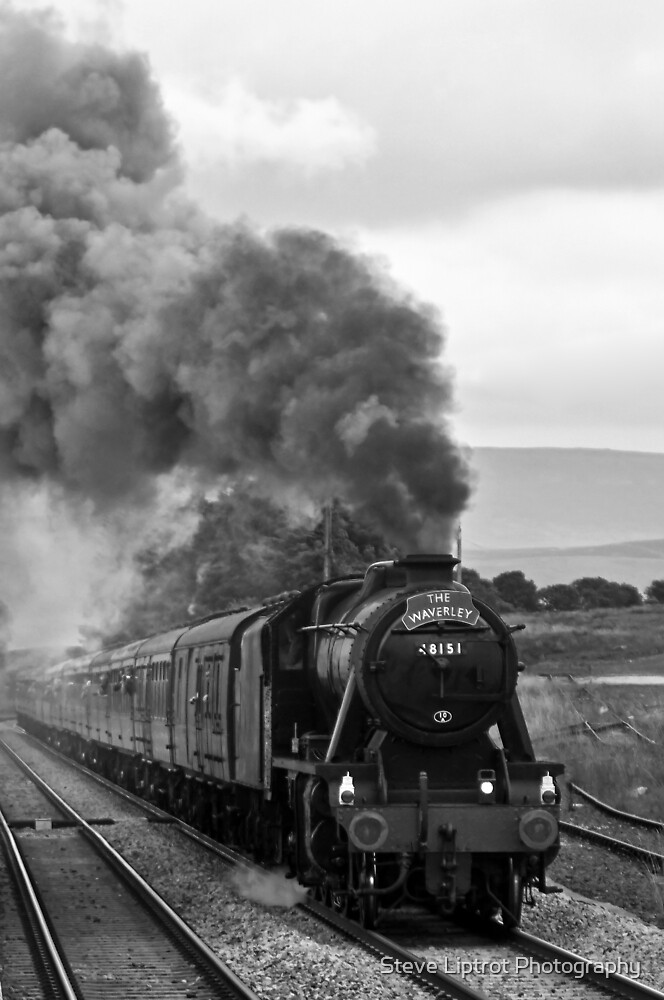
column 96, row 928
column 487, row 961
column 653, row 860
column 450, row 961
column 461, row 963
column 597, row 727
column 609, row 810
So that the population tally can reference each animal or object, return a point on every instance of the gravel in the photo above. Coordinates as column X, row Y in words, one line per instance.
column 251, row 922
column 85, row 795
column 283, row 953
column 278, row 949
column 610, row 878
column 586, row 815
column 599, row 931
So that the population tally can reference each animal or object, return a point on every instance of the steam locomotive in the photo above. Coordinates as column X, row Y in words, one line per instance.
column 366, row 731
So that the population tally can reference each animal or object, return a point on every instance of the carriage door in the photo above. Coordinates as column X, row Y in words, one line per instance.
column 218, row 713
column 191, row 706
column 201, row 717
column 178, row 707
column 146, row 713
column 248, row 727
column 86, row 694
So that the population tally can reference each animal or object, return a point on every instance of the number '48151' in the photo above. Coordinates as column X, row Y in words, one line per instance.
column 439, row 648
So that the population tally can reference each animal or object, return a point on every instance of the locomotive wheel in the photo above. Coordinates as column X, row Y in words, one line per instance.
column 512, row 896
column 367, row 906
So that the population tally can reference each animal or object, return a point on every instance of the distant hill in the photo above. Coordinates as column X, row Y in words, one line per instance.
column 638, row 563
column 562, row 513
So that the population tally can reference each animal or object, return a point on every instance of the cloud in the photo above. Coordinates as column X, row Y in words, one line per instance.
column 555, row 310
column 428, row 114
column 239, row 128
column 468, row 103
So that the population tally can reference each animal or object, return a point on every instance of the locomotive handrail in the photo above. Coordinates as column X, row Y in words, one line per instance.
column 342, row 626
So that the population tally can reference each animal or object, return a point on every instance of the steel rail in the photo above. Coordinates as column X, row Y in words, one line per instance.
column 612, row 983
column 43, row 939
column 157, row 905
column 439, row 983
column 615, row 983
column 653, row 824
column 442, row 985
column 652, row 858
column 154, row 812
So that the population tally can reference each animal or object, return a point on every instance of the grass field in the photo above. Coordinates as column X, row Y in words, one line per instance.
column 607, row 640
column 615, row 643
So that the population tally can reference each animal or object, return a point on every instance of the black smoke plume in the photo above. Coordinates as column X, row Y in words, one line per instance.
column 96, row 97
column 136, row 337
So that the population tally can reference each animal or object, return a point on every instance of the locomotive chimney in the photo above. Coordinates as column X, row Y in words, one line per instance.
column 428, row 568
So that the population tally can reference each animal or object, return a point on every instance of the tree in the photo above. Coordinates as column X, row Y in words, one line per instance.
column 626, row 595
column 514, row 588
column 483, row 589
column 655, row 591
column 249, row 548
column 596, row 592
column 355, row 543
column 561, row 597
column 245, row 547
column 593, row 592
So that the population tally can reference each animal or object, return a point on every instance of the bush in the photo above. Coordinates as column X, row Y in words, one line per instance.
column 655, row 591
column 596, row 592
column 514, row 588
column 560, row 597
column 483, row 590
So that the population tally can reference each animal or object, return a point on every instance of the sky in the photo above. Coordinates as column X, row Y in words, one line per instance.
column 506, row 160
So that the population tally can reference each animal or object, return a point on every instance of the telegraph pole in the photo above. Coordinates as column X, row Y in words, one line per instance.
column 459, row 570
column 327, row 540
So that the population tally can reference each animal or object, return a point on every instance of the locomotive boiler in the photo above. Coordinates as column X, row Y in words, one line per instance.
column 367, row 731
